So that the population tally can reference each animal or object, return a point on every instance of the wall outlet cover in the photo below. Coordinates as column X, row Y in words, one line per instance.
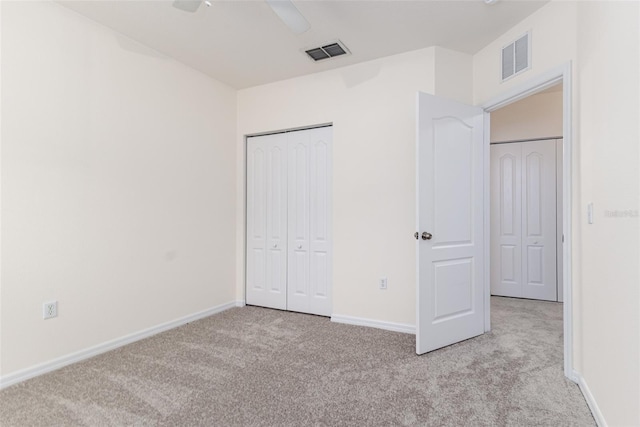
column 50, row 309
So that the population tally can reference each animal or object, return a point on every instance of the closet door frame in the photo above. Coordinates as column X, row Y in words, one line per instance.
column 546, row 238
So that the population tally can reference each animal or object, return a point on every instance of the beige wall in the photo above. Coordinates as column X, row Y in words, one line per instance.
column 609, row 93
column 453, row 75
column 372, row 108
column 537, row 116
column 116, row 164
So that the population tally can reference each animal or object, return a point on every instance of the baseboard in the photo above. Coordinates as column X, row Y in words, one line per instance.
column 593, row 405
column 87, row 353
column 240, row 303
column 389, row 326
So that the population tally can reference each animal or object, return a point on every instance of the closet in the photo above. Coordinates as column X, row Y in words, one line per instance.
column 526, row 203
column 289, row 221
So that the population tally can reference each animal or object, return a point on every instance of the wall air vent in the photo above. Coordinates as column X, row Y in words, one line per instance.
column 516, row 57
column 328, row 50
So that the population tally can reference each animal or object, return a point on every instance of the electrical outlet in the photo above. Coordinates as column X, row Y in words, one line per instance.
column 383, row 283
column 50, row 309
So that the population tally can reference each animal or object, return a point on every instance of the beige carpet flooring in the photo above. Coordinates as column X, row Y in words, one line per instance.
column 258, row 367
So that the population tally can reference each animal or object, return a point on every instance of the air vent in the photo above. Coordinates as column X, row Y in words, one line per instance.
column 516, row 57
column 329, row 50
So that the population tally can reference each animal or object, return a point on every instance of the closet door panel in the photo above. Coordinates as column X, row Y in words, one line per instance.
column 267, row 221
column 256, row 219
column 506, row 241
column 539, row 220
column 298, row 204
column 309, row 221
column 277, row 219
column 320, row 221
column 559, row 225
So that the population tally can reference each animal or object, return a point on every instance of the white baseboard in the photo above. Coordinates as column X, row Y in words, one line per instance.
column 593, row 405
column 389, row 326
column 87, row 353
column 240, row 303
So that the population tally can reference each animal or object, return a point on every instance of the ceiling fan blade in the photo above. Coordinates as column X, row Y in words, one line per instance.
column 290, row 15
column 187, row 5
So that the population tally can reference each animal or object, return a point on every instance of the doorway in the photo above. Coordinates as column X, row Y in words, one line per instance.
column 526, row 197
column 546, row 80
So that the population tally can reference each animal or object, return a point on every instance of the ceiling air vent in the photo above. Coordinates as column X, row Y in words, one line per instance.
column 329, row 50
column 516, row 57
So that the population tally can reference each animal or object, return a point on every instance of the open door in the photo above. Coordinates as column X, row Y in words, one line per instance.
column 450, row 294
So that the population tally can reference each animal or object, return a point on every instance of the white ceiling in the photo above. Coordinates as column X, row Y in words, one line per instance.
column 244, row 43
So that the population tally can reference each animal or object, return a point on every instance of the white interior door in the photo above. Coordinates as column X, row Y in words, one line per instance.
column 450, row 294
column 523, row 220
column 309, row 284
column 266, row 268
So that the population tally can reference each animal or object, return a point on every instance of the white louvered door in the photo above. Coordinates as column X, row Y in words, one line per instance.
column 523, row 220
column 289, row 221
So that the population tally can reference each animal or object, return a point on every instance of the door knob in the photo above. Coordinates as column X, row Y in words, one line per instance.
column 299, row 246
column 275, row 246
column 415, row 235
column 426, row 236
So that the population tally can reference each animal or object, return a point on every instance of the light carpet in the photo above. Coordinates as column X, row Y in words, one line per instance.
column 258, row 367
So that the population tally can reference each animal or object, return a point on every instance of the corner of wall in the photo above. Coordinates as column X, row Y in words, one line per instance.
column 588, row 397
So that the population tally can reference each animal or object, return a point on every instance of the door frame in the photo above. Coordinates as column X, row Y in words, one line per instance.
column 561, row 74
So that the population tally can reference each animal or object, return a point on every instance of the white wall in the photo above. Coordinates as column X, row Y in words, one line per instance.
column 372, row 108
column 116, row 164
column 609, row 93
column 537, row 116
column 601, row 40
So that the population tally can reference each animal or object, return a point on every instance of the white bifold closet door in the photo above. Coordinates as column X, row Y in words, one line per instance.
column 289, row 221
column 267, row 221
column 523, row 220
